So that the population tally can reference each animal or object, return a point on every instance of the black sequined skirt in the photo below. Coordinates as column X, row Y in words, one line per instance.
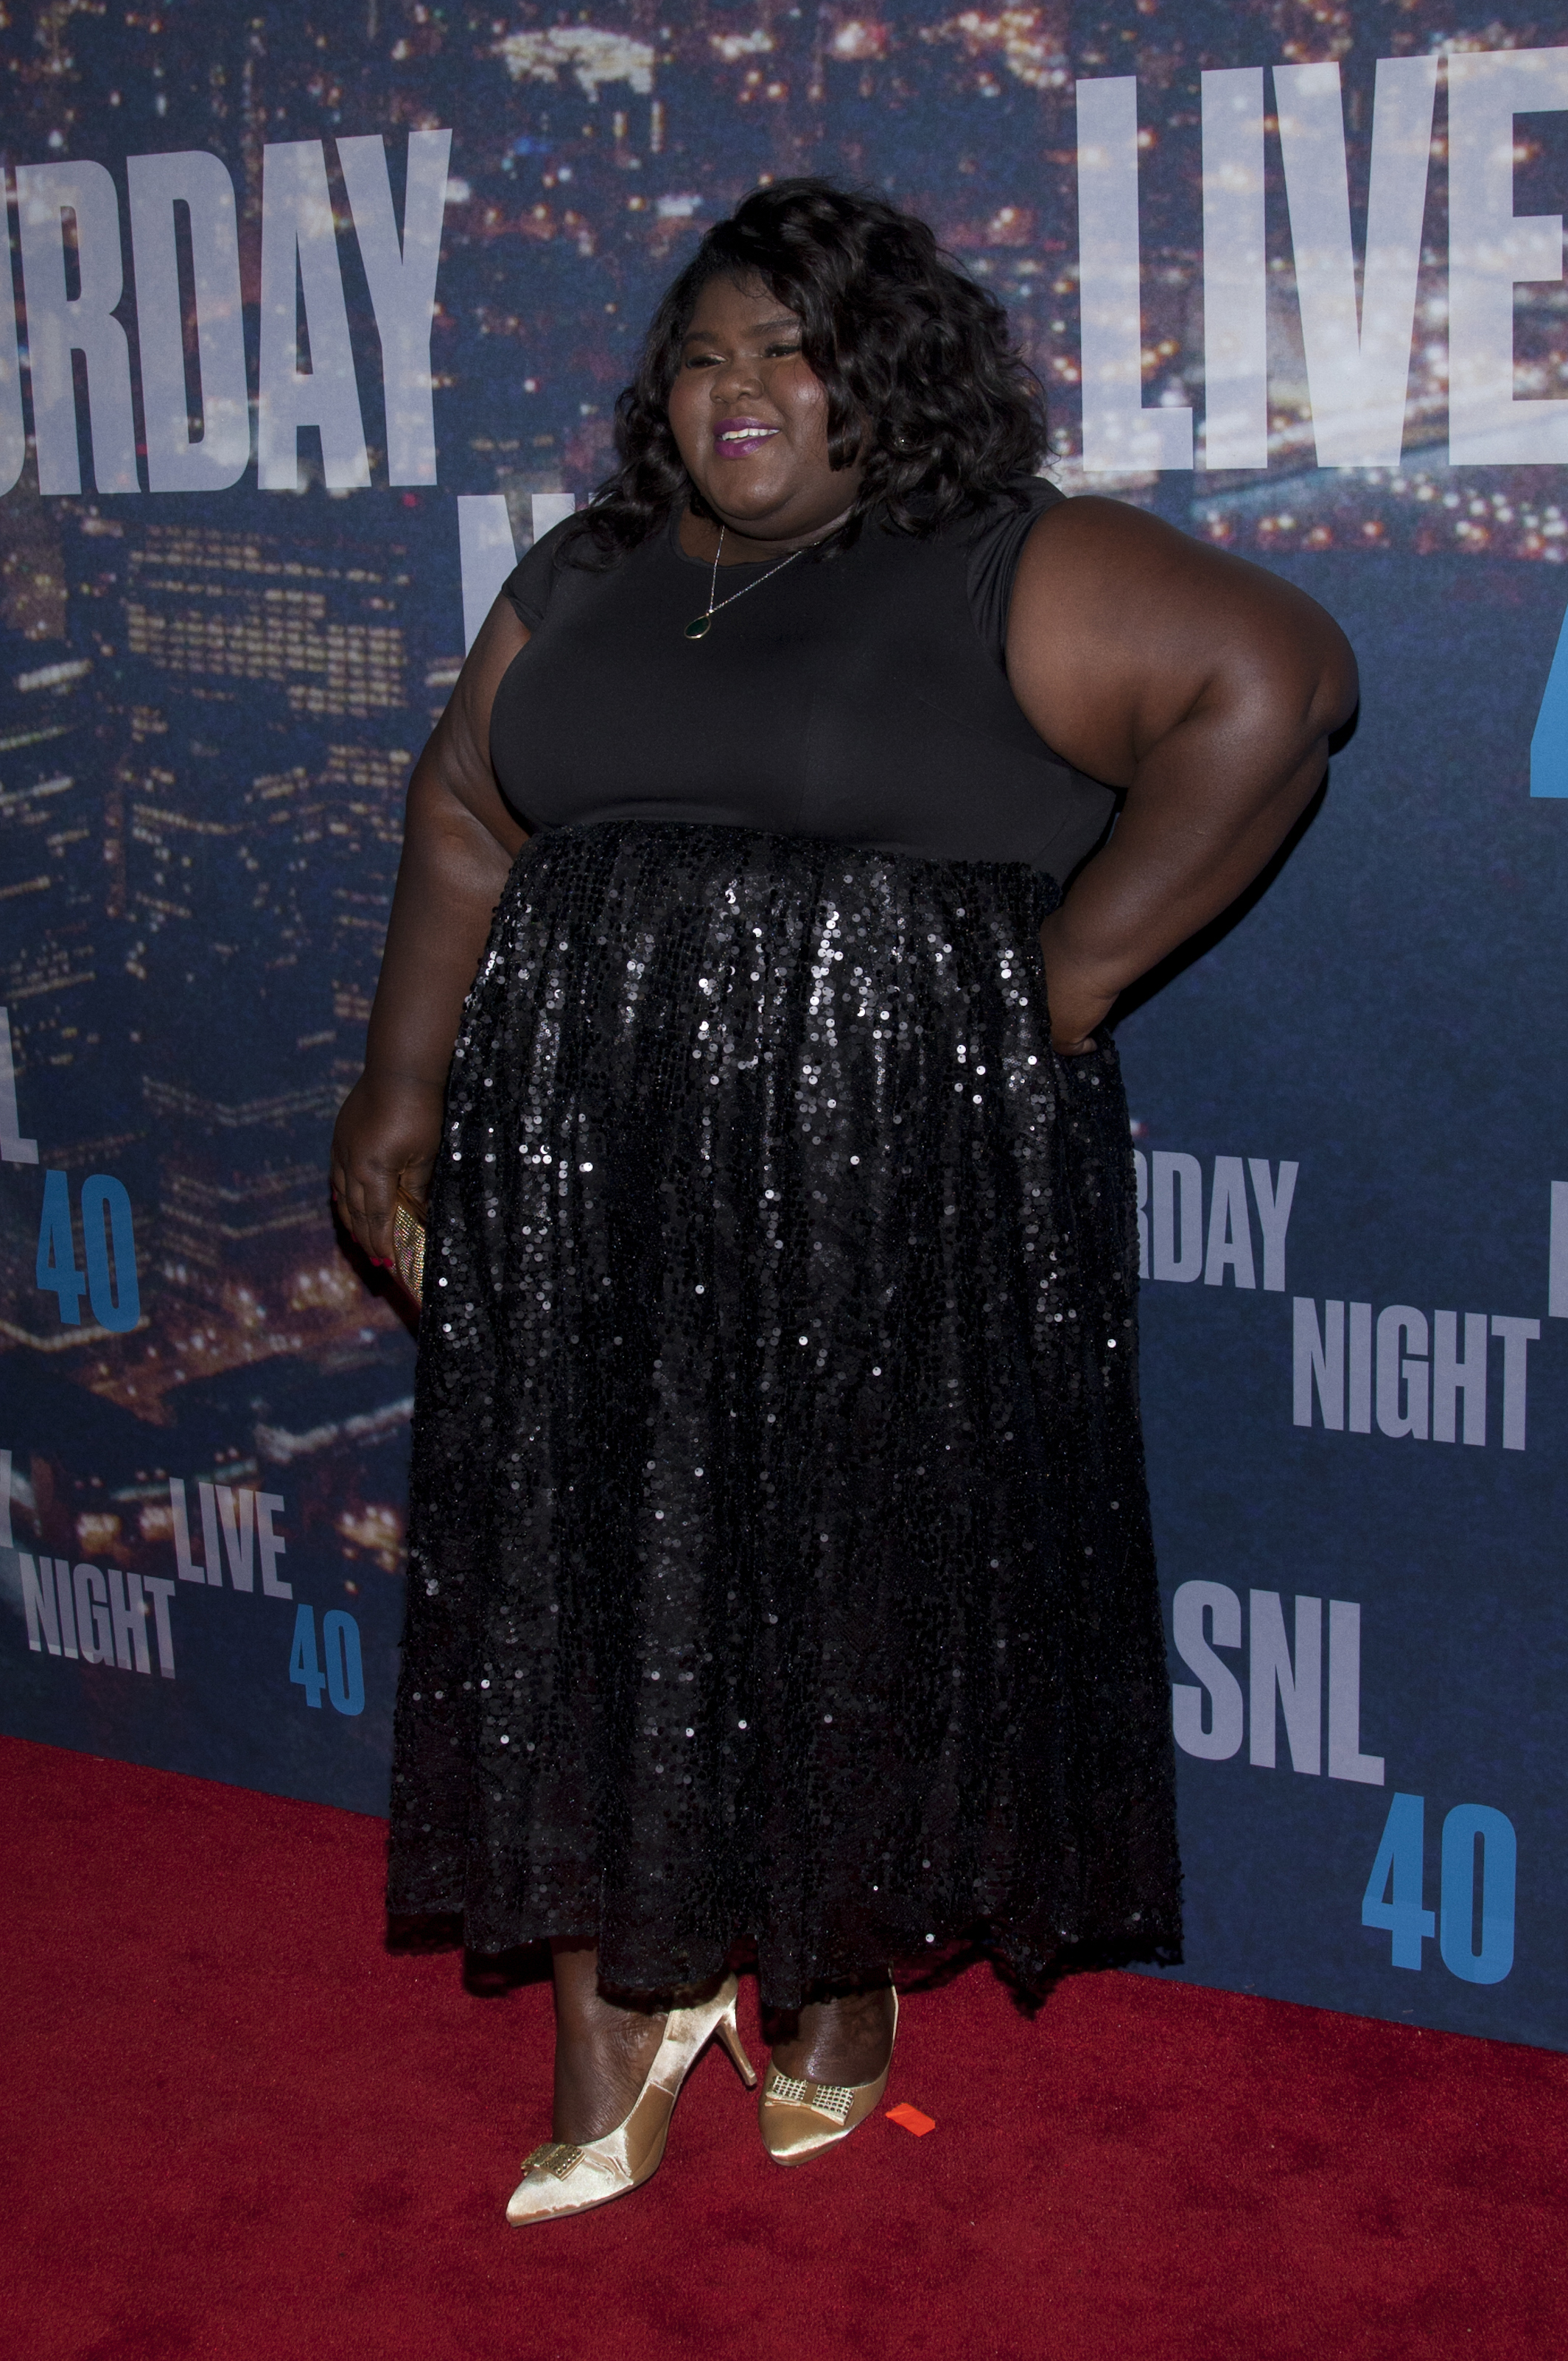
column 780, row 1564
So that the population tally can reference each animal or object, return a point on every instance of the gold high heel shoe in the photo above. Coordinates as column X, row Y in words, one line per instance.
column 800, row 2119
column 560, row 2177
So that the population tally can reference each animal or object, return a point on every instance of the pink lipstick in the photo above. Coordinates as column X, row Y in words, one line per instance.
column 734, row 438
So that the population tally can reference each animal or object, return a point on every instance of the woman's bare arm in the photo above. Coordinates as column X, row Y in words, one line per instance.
column 1206, row 687
column 460, row 838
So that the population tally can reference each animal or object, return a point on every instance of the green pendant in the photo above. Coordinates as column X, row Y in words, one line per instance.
column 699, row 627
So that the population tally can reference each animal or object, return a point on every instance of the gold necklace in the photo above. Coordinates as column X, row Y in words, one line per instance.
column 699, row 626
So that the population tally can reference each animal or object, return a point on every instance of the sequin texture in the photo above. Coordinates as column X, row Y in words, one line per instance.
column 780, row 1561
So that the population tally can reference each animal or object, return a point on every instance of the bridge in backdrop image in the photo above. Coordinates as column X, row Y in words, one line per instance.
column 318, row 323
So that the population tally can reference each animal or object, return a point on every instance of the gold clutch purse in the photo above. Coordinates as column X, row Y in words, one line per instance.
column 407, row 1242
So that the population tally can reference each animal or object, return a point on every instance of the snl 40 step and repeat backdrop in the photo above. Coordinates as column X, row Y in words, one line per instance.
column 318, row 315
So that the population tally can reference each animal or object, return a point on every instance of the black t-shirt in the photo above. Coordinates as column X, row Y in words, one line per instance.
column 861, row 696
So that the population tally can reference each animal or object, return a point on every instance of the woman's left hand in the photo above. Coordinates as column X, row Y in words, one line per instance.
column 1077, row 1010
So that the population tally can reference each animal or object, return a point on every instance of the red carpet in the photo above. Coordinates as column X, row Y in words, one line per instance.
column 237, row 2127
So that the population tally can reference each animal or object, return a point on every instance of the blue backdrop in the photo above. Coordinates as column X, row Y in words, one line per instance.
column 319, row 317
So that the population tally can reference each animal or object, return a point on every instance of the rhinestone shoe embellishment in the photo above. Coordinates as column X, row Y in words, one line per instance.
column 558, row 2157
column 833, row 2099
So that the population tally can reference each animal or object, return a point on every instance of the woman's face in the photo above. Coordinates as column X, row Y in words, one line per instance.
column 750, row 420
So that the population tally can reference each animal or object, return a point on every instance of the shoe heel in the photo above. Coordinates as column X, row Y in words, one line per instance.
column 730, row 2034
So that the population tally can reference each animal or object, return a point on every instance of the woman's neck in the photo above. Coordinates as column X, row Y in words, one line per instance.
column 700, row 537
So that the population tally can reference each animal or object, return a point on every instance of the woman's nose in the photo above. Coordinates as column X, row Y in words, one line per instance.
column 738, row 377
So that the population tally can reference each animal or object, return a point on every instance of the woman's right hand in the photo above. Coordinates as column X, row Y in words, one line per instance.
column 388, row 1134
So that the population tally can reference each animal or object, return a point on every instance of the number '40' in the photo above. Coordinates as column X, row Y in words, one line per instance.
column 108, row 1239
column 344, row 1679
column 1474, row 1837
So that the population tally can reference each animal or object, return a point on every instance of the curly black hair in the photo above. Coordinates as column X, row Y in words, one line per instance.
column 925, row 387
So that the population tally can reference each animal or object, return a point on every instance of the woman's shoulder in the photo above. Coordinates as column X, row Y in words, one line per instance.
column 564, row 560
column 995, row 539
column 1021, row 496
column 530, row 583
column 1008, row 516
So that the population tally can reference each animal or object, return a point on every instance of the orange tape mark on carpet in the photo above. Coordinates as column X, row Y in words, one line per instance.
column 911, row 2120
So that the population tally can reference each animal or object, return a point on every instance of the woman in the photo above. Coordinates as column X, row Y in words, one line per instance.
column 780, row 1564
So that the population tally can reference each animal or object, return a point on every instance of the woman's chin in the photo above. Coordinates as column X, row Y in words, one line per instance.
column 742, row 497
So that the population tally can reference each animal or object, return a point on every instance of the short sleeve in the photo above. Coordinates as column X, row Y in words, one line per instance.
column 994, row 558
column 530, row 583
